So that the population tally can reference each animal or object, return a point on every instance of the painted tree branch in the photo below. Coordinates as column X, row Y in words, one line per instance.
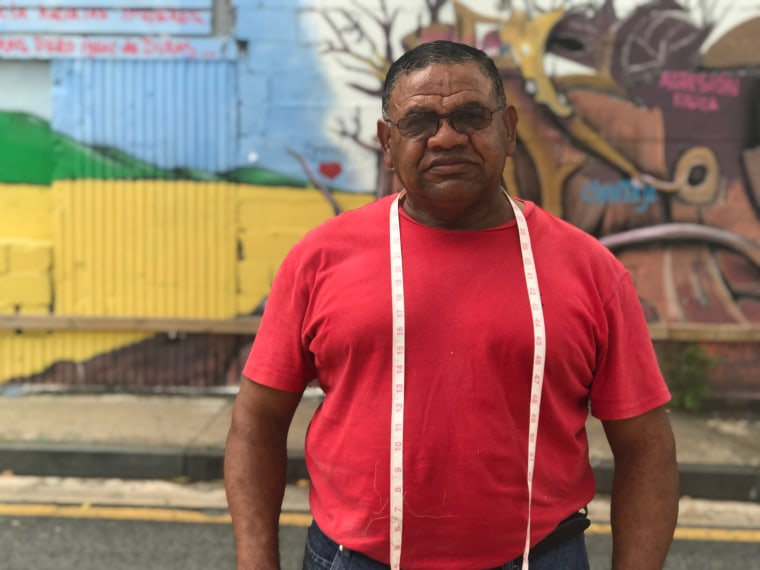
column 313, row 179
column 354, row 133
column 434, row 9
column 375, row 64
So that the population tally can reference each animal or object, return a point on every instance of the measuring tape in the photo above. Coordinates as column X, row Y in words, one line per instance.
column 398, row 375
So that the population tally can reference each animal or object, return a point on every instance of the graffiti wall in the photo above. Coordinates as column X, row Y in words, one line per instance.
column 158, row 158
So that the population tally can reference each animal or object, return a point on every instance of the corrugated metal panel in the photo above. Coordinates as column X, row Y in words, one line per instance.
column 30, row 353
column 172, row 114
column 122, row 359
column 145, row 248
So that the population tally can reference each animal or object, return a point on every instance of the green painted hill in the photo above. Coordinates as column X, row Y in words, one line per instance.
column 32, row 153
column 263, row 177
column 26, row 154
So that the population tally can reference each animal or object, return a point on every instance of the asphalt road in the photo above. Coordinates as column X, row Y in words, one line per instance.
column 132, row 541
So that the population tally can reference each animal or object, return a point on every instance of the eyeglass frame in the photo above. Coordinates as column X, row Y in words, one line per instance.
column 447, row 117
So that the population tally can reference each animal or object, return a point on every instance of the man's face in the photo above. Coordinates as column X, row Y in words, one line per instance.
column 447, row 166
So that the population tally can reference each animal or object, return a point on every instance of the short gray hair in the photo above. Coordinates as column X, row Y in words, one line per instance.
column 441, row 52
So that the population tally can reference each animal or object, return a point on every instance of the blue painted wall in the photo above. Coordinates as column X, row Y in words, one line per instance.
column 174, row 114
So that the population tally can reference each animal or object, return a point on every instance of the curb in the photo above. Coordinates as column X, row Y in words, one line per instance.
column 124, row 462
column 91, row 461
column 712, row 482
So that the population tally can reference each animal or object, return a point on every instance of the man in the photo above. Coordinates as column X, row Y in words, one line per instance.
column 459, row 337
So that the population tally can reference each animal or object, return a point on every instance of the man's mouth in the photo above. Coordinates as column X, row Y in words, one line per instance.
column 449, row 164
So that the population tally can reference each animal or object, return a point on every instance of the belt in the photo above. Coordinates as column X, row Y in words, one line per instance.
column 568, row 528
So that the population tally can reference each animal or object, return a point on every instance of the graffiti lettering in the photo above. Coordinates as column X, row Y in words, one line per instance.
column 59, row 14
column 182, row 17
column 168, row 47
column 699, row 91
column 96, row 14
column 161, row 16
column 621, row 192
column 13, row 45
column 95, row 48
column 130, row 48
column 703, row 83
column 52, row 45
column 705, row 103
column 146, row 47
column 12, row 13
column 69, row 14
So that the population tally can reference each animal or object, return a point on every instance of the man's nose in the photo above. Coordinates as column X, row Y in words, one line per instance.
column 446, row 136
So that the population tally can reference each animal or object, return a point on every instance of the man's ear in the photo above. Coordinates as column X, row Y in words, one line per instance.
column 509, row 116
column 384, row 136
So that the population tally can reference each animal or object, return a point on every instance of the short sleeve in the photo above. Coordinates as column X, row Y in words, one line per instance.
column 627, row 381
column 278, row 358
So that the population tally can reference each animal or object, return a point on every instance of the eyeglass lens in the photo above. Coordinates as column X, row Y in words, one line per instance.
column 465, row 121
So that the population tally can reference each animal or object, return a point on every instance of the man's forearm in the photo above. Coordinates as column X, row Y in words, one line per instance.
column 644, row 511
column 255, row 475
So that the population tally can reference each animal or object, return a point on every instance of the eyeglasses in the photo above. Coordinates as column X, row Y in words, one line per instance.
column 467, row 120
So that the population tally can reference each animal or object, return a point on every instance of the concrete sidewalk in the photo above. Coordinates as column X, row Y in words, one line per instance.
column 181, row 437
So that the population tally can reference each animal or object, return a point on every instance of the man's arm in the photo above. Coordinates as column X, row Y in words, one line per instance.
column 645, row 490
column 255, row 465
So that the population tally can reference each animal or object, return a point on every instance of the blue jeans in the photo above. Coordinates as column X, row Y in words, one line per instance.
column 322, row 553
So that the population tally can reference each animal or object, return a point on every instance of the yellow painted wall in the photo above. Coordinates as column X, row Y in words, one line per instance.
column 22, row 354
column 144, row 248
column 27, row 286
column 270, row 221
column 25, row 276
column 176, row 249
column 26, row 229
column 140, row 249
column 26, row 212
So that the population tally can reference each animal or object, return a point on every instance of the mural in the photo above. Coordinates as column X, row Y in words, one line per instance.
column 122, row 192
column 185, row 146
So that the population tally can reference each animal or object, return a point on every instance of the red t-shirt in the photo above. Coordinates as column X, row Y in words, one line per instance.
column 469, row 352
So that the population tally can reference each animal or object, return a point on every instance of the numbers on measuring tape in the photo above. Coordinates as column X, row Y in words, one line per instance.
column 398, row 373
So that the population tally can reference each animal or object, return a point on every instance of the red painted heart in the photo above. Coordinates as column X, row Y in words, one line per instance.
column 330, row 169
